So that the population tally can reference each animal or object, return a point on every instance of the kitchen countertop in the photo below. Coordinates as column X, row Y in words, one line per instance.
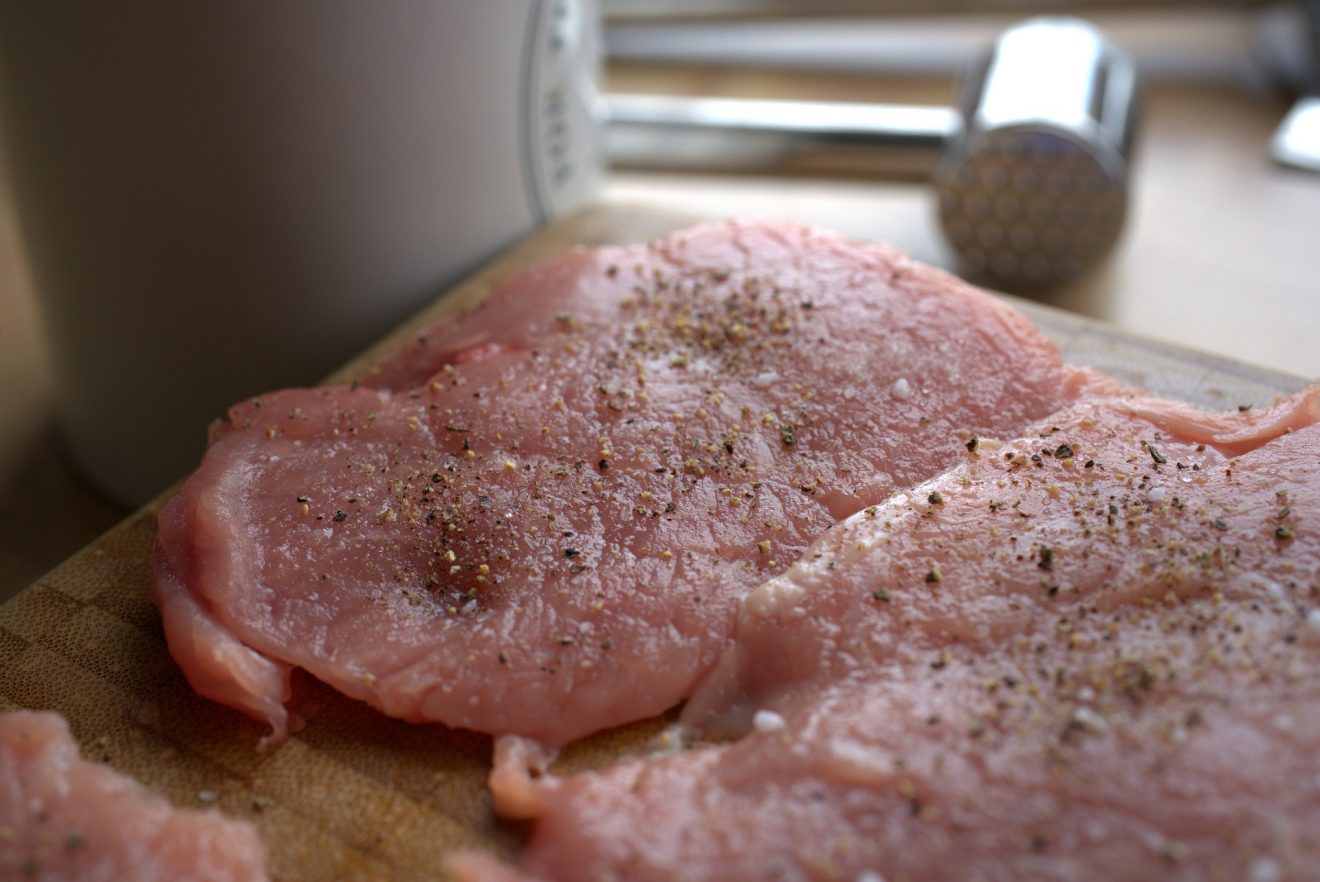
column 1219, row 254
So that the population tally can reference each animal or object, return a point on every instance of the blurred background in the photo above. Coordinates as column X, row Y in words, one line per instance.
column 1218, row 250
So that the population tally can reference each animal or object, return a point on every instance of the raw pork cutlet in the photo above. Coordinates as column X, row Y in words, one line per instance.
column 1088, row 654
column 64, row 818
column 549, row 535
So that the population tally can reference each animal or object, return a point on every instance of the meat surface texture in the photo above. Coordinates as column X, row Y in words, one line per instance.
column 539, row 518
column 1087, row 654
column 64, row 818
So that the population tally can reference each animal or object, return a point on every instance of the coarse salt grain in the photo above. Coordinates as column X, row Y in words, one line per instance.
column 1313, row 621
column 668, row 742
column 1264, row 869
column 869, row 876
column 1155, row 494
column 902, row 389
column 768, row 721
column 765, row 378
column 773, row 598
column 1090, row 719
column 1095, row 829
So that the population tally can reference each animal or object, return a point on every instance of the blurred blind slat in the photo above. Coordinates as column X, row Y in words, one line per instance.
column 1245, row 47
column 707, row 9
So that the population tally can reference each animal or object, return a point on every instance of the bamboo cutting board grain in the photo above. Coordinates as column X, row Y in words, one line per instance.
column 356, row 795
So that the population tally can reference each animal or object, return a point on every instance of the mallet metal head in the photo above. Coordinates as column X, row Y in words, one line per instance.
column 1033, row 188
column 1031, row 169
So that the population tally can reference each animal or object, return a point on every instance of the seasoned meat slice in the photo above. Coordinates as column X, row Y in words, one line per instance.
column 64, row 819
column 1088, row 654
column 540, row 518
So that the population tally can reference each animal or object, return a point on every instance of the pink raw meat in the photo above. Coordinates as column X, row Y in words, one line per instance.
column 1087, row 654
column 63, row 819
column 540, row 517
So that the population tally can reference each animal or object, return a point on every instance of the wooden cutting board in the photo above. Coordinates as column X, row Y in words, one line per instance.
column 356, row 795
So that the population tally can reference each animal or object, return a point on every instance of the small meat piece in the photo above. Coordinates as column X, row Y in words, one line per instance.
column 539, row 518
column 1087, row 654
column 64, row 819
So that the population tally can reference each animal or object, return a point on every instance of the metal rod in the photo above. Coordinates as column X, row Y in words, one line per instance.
column 768, row 135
